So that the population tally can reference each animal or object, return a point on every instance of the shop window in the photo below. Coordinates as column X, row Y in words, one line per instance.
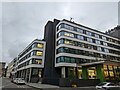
column 111, row 73
column 39, row 53
column 79, row 70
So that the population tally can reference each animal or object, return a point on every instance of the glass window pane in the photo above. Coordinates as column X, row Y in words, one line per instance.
column 39, row 53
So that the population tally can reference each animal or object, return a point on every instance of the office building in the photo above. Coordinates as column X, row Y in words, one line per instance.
column 30, row 62
column 75, row 52
column 2, row 69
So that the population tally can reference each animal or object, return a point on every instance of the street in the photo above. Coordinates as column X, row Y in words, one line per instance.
column 5, row 84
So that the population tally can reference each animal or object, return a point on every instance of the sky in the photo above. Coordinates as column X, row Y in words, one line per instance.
column 23, row 22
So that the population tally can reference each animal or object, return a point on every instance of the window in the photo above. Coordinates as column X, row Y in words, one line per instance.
column 99, row 49
column 39, row 53
column 34, row 45
column 97, row 42
column 88, row 33
column 89, row 39
column 80, row 37
column 39, row 45
column 60, row 34
column 106, row 50
column 104, row 43
column 103, row 37
column 32, row 53
column 68, row 34
column 60, row 42
column 79, row 30
column 36, row 61
column 69, row 27
column 96, row 35
column 68, row 42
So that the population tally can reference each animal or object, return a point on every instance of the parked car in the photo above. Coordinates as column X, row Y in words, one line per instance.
column 106, row 85
column 13, row 80
column 18, row 81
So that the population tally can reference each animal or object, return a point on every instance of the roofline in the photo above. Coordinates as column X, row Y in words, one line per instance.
column 89, row 28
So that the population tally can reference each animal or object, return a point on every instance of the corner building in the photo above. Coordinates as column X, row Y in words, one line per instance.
column 30, row 62
column 76, row 54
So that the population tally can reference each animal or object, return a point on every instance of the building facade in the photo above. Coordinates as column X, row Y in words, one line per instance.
column 30, row 62
column 2, row 69
column 74, row 51
column 114, row 32
column 11, row 68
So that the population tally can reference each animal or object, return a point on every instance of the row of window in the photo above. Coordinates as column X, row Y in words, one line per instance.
column 32, row 61
column 69, row 27
column 33, row 53
column 83, row 45
column 85, row 53
column 80, row 37
column 66, row 59
column 34, row 45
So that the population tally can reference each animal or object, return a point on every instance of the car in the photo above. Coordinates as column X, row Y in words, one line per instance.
column 19, row 81
column 106, row 85
column 13, row 80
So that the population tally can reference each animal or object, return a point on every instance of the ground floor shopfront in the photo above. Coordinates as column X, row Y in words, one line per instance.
column 30, row 74
column 91, row 72
column 98, row 70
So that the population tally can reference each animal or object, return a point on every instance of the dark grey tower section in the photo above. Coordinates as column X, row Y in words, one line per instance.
column 51, row 74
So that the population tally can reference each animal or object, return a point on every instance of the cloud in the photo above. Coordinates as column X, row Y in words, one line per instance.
column 23, row 22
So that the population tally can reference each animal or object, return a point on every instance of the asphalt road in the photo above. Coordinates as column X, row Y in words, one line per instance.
column 5, row 84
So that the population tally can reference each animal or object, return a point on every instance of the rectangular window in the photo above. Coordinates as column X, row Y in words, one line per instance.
column 99, row 49
column 79, row 30
column 96, row 35
column 80, row 37
column 97, row 42
column 39, row 45
column 39, row 53
column 104, row 43
column 68, row 34
column 89, row 40
column 103, row 37
column 106, row 50
column 88, row 33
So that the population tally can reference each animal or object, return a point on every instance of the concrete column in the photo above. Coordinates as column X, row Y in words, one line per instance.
column 30, row 74
column 100, row 73
column 63, row 72
column 84, row 72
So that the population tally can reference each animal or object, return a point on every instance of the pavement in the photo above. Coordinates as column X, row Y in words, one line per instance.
column 53, row 87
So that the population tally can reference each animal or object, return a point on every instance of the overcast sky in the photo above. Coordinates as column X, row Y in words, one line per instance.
column 24, row 22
